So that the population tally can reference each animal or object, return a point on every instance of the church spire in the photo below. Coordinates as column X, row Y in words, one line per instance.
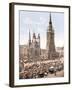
column 39, row 36
column 50, row 21
column 34, row 36
column 29, row 38
column 29, row 35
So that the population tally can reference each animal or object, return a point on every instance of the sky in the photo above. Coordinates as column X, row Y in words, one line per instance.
column 38, row 22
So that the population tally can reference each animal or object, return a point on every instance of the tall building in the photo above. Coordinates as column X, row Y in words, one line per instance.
column 51, row 51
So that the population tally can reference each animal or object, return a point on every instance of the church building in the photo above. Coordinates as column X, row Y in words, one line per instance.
column 34, row 46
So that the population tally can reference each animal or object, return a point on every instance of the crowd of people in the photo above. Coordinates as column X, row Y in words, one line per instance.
column 40, row 70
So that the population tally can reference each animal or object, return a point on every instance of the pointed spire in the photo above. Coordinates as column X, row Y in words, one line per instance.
column 34, row 36
column 29, row 37
column 50, row 22
column 39, row 36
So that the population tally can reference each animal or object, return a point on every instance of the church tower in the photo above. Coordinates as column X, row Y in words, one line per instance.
column 51, row 52
column 29, row 39
column 38, row 40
